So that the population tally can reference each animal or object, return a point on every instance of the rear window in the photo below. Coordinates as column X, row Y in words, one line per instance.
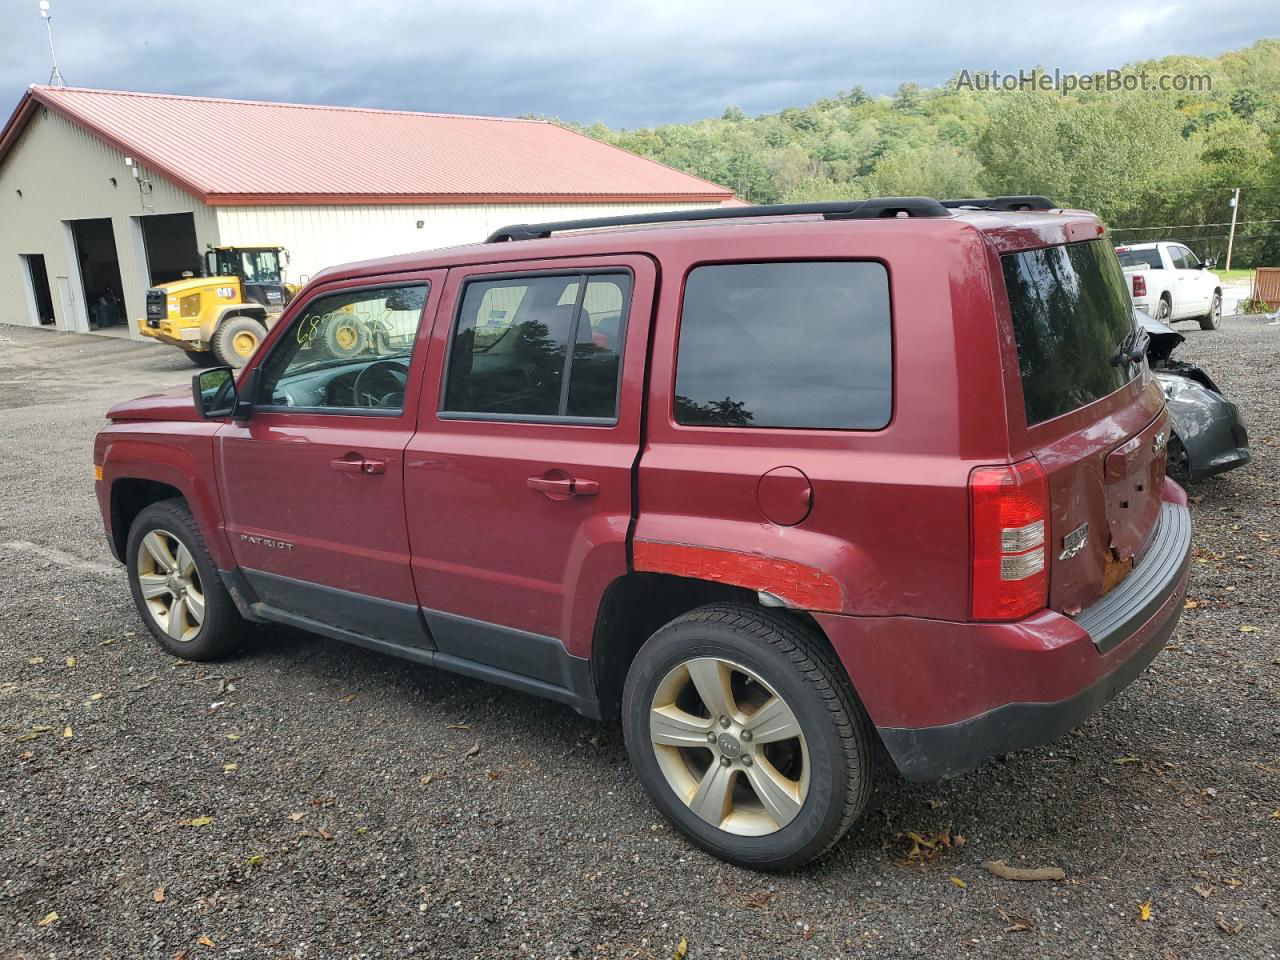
column 1071, row 312
column 796, row 344
column 1141, row 259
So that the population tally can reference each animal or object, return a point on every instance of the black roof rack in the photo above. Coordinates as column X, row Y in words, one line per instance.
column 1029, row 202
column 841, row 210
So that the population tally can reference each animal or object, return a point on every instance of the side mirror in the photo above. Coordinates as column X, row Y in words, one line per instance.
column 214, row 391
column 1206, row 264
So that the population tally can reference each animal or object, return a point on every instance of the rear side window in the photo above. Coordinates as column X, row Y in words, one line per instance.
column 542, row 346
column 1071, row 313
column 1141, row 259
column 804, row 344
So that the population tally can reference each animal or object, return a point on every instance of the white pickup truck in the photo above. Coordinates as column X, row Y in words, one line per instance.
column 1171, row 283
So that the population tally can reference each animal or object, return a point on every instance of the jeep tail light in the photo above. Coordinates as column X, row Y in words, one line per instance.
column 1139, row 286
column 1009, row 511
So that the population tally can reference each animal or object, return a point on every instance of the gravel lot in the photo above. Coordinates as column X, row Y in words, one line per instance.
column 346, row 818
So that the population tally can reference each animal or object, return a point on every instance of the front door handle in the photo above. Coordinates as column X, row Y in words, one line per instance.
column 355, row 464
column 559, row 488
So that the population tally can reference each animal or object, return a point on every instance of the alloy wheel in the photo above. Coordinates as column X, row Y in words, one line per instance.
column 729, row 746
column 170, row 585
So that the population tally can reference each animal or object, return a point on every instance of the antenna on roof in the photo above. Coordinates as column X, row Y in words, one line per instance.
column 55, row 78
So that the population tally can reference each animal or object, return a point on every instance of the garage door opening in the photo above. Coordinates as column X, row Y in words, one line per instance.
column 95, row 244
column 169, row 240
column 41, row 298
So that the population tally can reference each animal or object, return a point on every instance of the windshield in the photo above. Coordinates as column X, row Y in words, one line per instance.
column 1073, row 323
column 251, row 266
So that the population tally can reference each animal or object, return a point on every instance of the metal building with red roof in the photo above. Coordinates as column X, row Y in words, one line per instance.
column 104, row 193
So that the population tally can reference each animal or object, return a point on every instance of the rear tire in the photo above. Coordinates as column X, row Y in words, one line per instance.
column 763, row 810
column 176, row 585
column 237, row 339
column 1164, row 310
column 1213, row 319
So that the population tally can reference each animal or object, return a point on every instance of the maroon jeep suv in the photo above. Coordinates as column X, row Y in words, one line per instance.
column 781, row 486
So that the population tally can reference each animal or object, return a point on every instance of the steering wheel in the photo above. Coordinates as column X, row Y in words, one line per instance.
column 381, row 384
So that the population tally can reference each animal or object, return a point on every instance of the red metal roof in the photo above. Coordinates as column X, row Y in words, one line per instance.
column 233, row 152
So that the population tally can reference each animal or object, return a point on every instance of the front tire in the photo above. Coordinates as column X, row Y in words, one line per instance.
column 202, row 358
column 176, row 586
column 1213, row 319
column 747, row 736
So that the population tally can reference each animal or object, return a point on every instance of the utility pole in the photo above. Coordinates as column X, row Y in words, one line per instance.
column 55, row 78
column 1231, row 237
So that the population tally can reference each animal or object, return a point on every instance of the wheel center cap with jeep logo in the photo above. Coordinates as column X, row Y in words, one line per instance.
column 729, row 745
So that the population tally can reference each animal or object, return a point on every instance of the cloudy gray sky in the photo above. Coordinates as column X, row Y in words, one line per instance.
column 626, row 63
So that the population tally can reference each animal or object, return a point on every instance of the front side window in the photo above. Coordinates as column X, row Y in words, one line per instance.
column 786, row 345
column 1071, row 316
column 541, row 346
column 346, row 350
column 1189, row 260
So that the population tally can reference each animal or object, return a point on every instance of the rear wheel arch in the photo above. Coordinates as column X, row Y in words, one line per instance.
column 638, row 604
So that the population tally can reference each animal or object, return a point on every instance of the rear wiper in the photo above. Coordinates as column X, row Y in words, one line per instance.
column 1132, row 348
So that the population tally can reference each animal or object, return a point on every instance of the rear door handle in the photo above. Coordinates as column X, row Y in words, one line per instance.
column 558, row 487
column 355, row 464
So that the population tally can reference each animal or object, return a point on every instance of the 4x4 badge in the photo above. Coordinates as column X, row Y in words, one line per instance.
column 1074, row 542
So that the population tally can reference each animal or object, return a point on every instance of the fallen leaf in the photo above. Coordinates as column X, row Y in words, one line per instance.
column 233, row 736
column 26, row 754
column 361, row 831
column 48, row 918
column 94, row 697
column 158, row 894
column 1229, row 929
column 1006, row 872
column 682, row 950
column 324, row 834
column 1144, row 911
column 67, row 733
column 933, row 803
column 959, row 883
column 426, row 779
column 1016, row 923
column 348, row 698
column 1190, row 604
column 457, row 726
column 204, row 941
column 34, row 732
column 196, row 822
column 36, row 661
column 925, row 847
column 1204, row 888
column 1245, row 628
column 230, row 767
column 1276, row 815
column 295, row 817
column 475, row 748
column 72, row 661
column 1121, row 761
column 256, row 860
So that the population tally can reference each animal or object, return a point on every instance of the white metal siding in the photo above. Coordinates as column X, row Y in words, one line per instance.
column 64, row 173
column 319, row 237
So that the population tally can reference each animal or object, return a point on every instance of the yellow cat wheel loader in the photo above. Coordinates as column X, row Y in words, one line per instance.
column 222, row 318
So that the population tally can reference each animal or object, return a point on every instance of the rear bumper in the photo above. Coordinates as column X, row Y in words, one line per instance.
column 947, row 696
column 188, row 338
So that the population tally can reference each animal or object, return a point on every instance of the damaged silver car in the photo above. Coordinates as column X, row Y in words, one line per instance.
column 1208, row 436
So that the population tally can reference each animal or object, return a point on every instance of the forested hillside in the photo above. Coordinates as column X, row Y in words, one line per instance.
column 1140, row 159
